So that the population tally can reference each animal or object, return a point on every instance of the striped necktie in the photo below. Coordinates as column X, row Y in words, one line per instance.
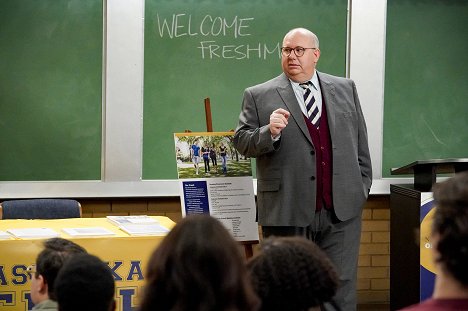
column 311, row 104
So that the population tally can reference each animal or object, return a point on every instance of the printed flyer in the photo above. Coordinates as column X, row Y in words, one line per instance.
column 215, row 179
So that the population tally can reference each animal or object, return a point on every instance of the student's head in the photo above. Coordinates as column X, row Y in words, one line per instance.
column 292, row 273
column 48, row 263
column 85, row 283
column 450, row 227
column 198, row 266
column 297, row 66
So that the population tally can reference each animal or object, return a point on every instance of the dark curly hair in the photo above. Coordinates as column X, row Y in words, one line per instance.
column 198, row 267
column 450, row 224
column 292, row 273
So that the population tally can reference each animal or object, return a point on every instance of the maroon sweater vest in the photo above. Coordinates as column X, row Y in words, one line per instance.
column 323, row 159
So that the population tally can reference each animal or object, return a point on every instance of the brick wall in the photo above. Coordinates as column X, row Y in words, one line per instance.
column 169, row 207
column 374, row 254
column 374, row 257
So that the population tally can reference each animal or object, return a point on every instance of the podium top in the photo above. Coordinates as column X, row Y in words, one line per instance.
column 442, row 166
column 425, row 171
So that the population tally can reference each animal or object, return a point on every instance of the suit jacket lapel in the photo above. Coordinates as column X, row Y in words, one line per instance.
column 328, row 95
column 289, row 98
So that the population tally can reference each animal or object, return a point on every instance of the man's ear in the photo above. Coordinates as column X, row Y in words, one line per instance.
column 42, row 284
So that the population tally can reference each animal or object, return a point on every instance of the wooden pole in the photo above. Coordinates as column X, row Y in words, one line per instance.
column 209, row 123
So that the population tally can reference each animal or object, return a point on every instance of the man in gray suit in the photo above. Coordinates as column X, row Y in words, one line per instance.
column 309, row 136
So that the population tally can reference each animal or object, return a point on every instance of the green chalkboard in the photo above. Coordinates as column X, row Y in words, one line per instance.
column 213, row 48
column 426, row 82
column 50, row 89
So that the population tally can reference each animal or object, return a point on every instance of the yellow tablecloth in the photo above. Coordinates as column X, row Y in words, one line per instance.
column 126, row 255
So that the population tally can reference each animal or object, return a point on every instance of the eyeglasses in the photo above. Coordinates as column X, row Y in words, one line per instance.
column 298, row 50
column 31, row 270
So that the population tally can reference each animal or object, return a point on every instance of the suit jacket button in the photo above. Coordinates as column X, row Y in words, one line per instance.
column 312, row 152
column 312, row 178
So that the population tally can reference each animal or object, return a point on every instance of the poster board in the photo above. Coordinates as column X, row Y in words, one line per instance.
column 215, row 179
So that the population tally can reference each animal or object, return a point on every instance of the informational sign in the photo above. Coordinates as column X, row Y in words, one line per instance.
column 215, row 179
column 427, row 268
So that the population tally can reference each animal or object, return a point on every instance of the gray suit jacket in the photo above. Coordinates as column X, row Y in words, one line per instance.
column 286, row 192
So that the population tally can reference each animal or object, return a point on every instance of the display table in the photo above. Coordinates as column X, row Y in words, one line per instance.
column 126, row 255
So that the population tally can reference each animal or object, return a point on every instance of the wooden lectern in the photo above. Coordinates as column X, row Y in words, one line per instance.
column 405, row 204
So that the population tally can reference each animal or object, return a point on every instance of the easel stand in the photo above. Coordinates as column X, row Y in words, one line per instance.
column 248, row 249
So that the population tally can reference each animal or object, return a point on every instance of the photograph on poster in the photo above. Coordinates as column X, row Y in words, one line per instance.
column 209, row 155
column 215, row 179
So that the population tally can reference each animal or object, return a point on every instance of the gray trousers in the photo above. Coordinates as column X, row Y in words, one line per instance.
column 340, row 240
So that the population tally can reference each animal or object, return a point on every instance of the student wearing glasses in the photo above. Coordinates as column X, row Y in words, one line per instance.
column 43, row 274
column 307, row 132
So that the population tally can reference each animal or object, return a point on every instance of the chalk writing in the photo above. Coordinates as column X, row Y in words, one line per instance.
column 210, row 50
column 181, row 25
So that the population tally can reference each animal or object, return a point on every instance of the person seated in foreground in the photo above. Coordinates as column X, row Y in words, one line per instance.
column 449, row 238
column 85, row 282
column 198, row 266
column 294, row 274
column 43, row 274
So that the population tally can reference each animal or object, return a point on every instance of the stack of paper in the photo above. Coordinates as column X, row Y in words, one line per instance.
column 33, row 233
column 144, row 229
column 138, row 225
column 134, row 219
column 88, row 231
